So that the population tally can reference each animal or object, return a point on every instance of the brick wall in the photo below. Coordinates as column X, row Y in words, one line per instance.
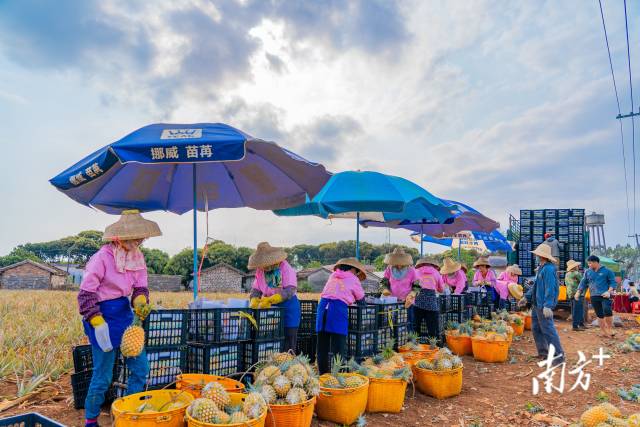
column 220, row 279
column 165, row 283
column 25, row 276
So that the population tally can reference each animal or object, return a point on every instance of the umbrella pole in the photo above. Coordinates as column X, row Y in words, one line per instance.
column 358, row 236
column 421, row 242
column 459, row 244
column 195, row 236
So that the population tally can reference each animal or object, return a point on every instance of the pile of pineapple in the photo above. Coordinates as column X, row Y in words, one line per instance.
column 413, row 344
column 632, row 343
column 443, row 360
column 606, row 415
column 386, row 365
column 459, row 329
column 493, row 330
column 339, row 379
column 214, row 406
column 286, row 379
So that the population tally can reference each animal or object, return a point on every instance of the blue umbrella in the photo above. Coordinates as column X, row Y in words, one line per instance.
column 463, row 218
column 372, row 193
column 180, row 167
column 494, row 241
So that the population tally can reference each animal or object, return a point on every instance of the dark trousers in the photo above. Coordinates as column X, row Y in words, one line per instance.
column 329, row 342
column 290, row 339
column 577, row 312
column 431, row 317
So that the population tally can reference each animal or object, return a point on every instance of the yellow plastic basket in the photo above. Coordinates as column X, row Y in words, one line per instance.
column 342, row 406
column 124, row 410
column 193, row 383
column 490, row 351
column 460, row 345
column 236, row 399
column 438, row 384
column 518, row 329
column 386, row 395
column 299, row 415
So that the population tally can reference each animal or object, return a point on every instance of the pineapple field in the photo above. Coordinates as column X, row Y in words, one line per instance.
column 40, row 328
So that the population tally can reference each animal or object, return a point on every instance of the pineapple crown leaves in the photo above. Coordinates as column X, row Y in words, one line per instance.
column 433, row 342
column 361, row 421
column 403, row 374
column 413, row 337
column 451, row 325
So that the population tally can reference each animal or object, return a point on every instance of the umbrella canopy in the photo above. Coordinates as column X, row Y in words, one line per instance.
column 180, row 167
column 471, row 240
column 350, row 193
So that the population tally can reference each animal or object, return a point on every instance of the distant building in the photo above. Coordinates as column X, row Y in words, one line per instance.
column 29, row 274
column 76, row 272
column 221, row 278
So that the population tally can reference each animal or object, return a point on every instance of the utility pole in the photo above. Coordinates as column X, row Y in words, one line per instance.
column 637, row 237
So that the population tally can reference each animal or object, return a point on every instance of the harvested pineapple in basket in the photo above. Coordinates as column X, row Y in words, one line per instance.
column 443, row 360
column 286, row 379
column 337, row 379
column 385, row 365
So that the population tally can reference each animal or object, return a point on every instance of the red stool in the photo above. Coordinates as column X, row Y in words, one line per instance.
column 635, row 307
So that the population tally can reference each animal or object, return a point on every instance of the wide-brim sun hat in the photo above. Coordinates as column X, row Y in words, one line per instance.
column 514, row 269
column 572, row 265
column 131, row 226
column 482, row 261
column 427, row 261
column 352, row 262
column 544, row 251
column 450, row 266
column 515, row 290
column 398, row 257
column 266, row 255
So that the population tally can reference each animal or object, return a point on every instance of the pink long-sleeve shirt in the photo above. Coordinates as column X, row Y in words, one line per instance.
column 430, row 278
column 502, row 283
column 400, row 288
column 289, row 280
column 457, row 281
column 479, row 278
column 343, row 286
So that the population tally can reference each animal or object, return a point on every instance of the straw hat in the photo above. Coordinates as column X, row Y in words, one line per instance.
column 266, row 255
column 515, row 290
column 572, row 265
column 514, row 269
column 131, row 226
column 544, row 251
column 398, row 257
column 450, row 266
column 481, row 261
column 352, row 262
column 427, row 261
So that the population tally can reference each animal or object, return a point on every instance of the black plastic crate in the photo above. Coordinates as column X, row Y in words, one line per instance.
column 82, row 358
column 577, row 212
column 525, row 214
column 478, row 298
column 550, row 213
column 166, row 328
column 80, row 382
column 221, row 359
column 538, row 213
column 32, row 419
column 307, row 344
column 165, row 364
column 308, row 310
column 362, row 344
column 563, row 213
column 391, row 314
column 458, row 302
column 423, row 330
column 259, row 351
column 401, row 334
column 444, row 302
column 455, row 317
column 270, row 323
column 363, row 318
column 485, row 310
column 385, row 338
column 467, row 313
column 214, row 325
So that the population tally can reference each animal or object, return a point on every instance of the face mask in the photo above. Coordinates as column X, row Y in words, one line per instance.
column 399, row 273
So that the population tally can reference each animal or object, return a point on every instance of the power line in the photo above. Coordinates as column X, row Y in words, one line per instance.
column 615, row 89
column 633, row 125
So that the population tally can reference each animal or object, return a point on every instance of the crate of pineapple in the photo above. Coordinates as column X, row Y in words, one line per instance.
column 308, row 310
column 441, row 376
column 363, row 318
column 362, row 344
column 268, row 323
column 221, row 359
column 165, row 364
column 32, row 419
column 307, row 344
column 255, row 352
column 391, row 314
column 166, row 328
column 401, row 334
column 215, row 325
column 343, row 396
column 458, row 303
column 385, row 338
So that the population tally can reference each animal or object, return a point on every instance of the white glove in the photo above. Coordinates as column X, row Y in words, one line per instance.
column 547, row 312
column 606, row 295
column 522, row 302
column 102, row 337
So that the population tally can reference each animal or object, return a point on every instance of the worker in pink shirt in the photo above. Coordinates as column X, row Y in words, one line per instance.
column 506, row 278
column 425, row 299
column 485, row 277
column 115, row 280
column 454, row 278
column 399, row 276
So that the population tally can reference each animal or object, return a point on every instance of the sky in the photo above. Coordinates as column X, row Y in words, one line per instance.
column 502, row 105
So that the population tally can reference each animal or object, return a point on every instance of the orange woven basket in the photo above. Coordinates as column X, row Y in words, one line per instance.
column 423, row 347
column 386, row 395
column 412, row 357
column 438, row 384
column 527, row 323
column 299, row 415
column 342, row 406
column 460, row 345
column 236, row 399
column 125, row 414
column 490, row 351
column 193, row 383
column 518, row 329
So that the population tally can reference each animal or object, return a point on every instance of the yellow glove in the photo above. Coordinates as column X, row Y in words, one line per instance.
column 386, row 292
column 140, row 304
column 275, row 299
column 253, row 302
column 97, row 320
column 264, row 303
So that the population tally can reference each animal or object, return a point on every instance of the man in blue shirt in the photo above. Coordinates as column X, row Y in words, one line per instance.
column 602, row 283
column 543, row 297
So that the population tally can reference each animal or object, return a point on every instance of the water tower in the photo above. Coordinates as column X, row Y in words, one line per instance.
column 595, row 226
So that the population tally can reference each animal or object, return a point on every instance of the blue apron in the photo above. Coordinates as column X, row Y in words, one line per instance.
column 118, row 315
column 332, row 317
column 291, row 312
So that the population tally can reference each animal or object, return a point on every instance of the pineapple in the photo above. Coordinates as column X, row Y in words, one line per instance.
column 281, row 385
column 238, row 418
column 268, row 374
column 133, row 339
column 594, row 416
column 353, row 381
column 254, row 405
column 330, row 382
column 634, row 420
column 298, row 375
column 217, row 393
column 312, row 387
column 433, row 343
column 202, row 410
column 611, row 410
column 425, row 364
column 296, row 395
column 280, row 358
column 268, row 393
column 456, row 361
column 221, row 417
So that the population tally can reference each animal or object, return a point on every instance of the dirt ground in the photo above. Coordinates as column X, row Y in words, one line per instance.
column 492, row 394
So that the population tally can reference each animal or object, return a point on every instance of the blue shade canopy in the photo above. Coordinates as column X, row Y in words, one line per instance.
column 493, row 241
column 153, row 168
column 370, row 192
column 464, row 218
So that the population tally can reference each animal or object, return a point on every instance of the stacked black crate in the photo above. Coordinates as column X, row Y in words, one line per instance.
column 81, row 378
column 525, row 259
column 166, row 349
column 362, row 340
column 267, row 336
column 576, row 249
column 393, row 326
column 307, row 337
column 444, row 306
